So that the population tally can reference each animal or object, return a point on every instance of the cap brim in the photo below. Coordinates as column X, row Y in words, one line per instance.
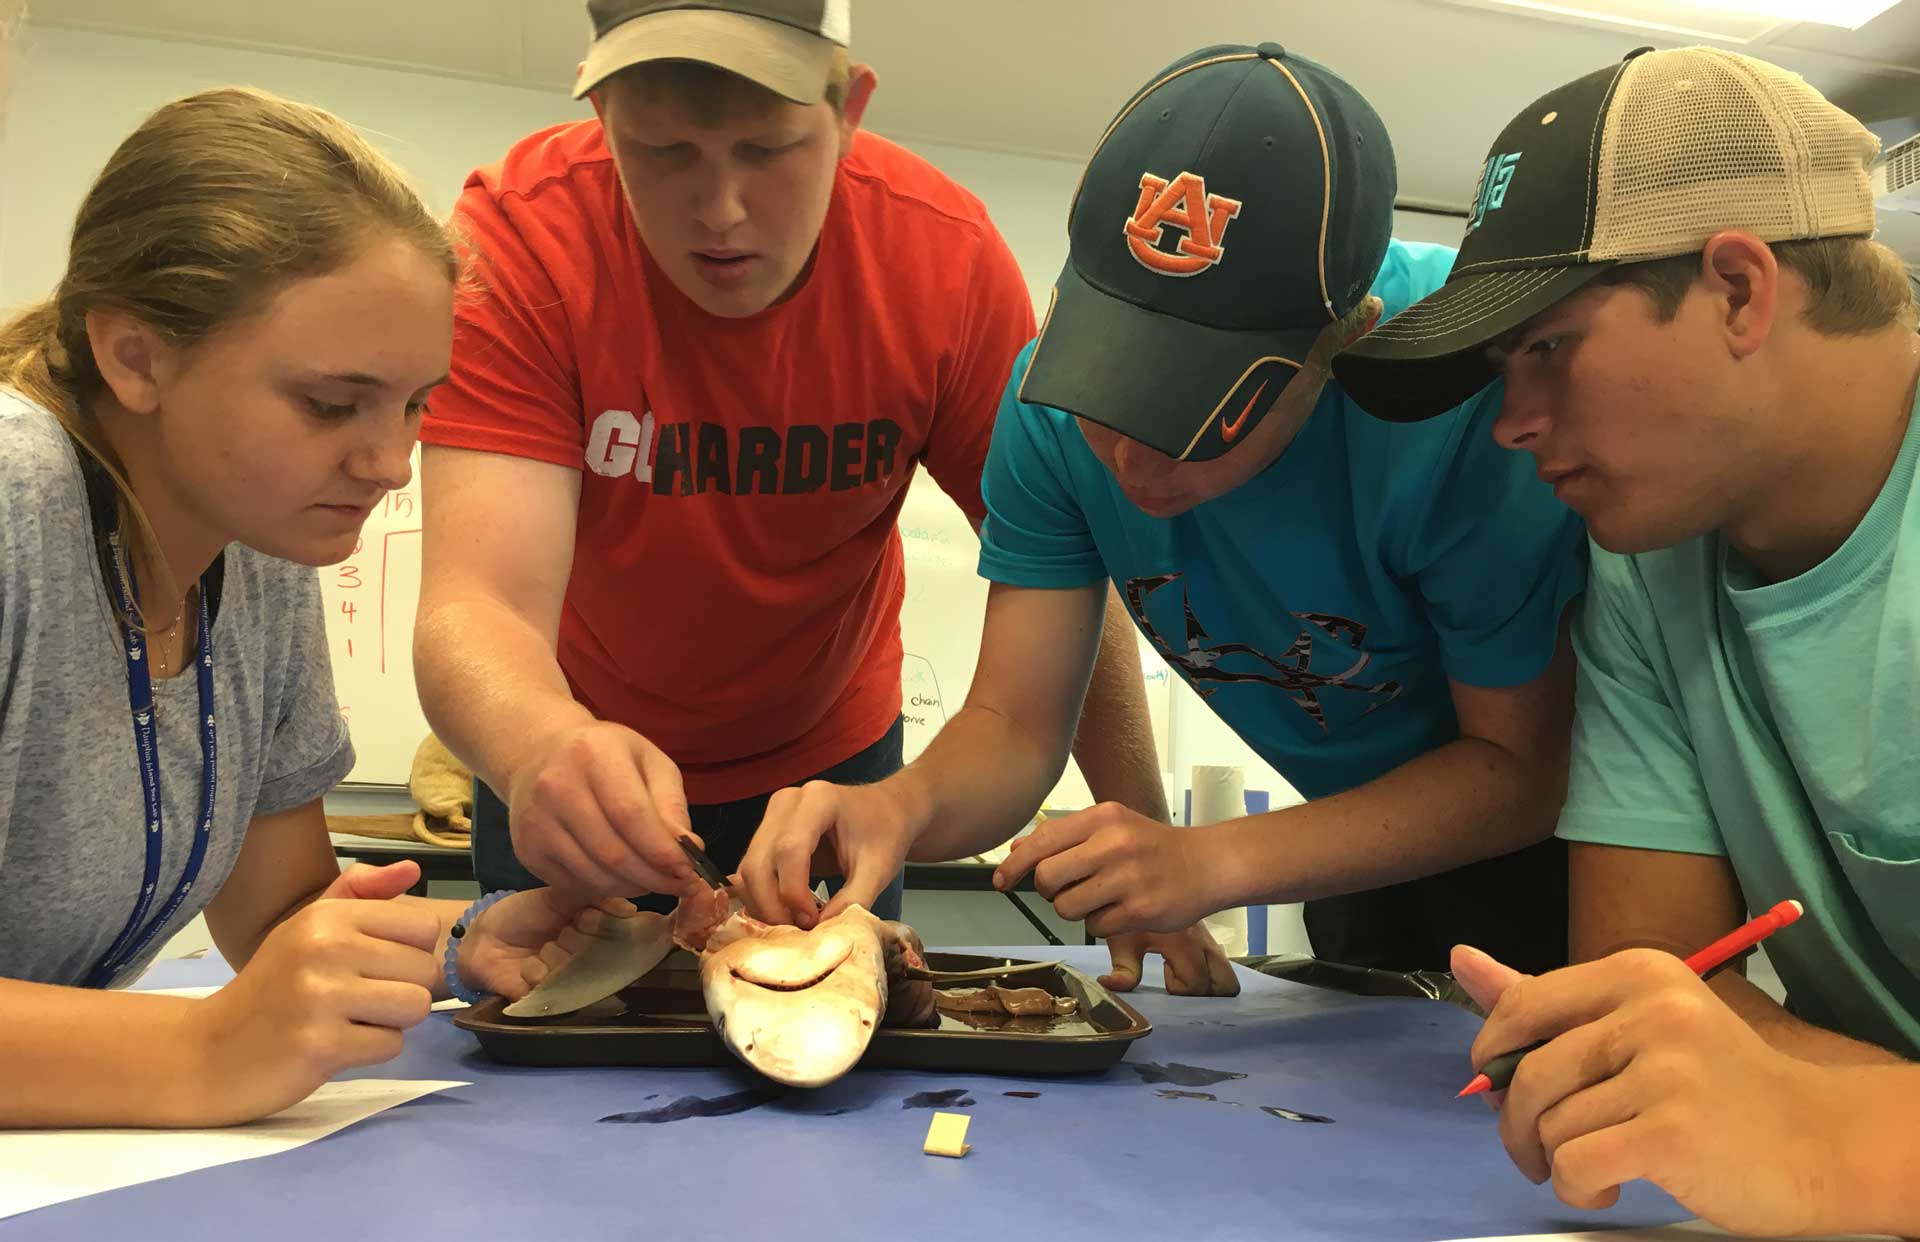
column 1433, row 355
column 1151, row 377
column 788, row 61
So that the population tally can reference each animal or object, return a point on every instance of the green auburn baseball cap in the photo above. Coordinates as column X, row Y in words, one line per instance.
column 1240, row 203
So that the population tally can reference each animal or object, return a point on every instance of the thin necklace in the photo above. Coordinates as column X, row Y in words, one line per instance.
column 162, row 667
column 155, row 639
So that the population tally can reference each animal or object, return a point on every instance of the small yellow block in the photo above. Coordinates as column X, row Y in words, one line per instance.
column 947, row 1136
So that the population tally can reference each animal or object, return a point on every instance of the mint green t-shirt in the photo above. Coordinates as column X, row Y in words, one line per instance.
column 1777, row 725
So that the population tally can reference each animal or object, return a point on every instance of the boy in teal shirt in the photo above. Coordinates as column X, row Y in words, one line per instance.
column 1375, row 609
column 1708, row 358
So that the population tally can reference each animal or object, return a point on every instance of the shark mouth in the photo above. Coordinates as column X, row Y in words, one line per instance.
column 791, row 963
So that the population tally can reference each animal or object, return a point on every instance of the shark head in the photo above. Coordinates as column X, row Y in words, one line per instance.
column 799, row 1006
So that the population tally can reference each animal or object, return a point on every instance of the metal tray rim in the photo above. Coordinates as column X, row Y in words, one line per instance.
column 484, row 1021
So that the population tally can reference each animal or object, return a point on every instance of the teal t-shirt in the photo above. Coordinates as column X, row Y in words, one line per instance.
column 1321, row 608
column 1777, row 725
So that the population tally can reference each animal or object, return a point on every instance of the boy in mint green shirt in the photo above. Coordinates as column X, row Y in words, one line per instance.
column 1772, row 726
column 1669, row 263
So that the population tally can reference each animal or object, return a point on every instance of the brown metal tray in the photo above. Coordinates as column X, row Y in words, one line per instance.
column 662, row 1021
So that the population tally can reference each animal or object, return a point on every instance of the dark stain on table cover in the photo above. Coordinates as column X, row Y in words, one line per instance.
column 700, row 1106
column 957, row 1097
column 1181, row 1075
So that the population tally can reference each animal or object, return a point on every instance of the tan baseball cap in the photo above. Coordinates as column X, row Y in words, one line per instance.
column 1646, row 159
column 784, row 45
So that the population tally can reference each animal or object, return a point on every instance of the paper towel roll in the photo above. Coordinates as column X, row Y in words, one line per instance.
column 1219, row 793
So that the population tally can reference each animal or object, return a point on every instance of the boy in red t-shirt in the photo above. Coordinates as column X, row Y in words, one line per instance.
column 716, row 329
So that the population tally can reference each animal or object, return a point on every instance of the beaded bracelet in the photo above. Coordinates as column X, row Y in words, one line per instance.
column 451, row 965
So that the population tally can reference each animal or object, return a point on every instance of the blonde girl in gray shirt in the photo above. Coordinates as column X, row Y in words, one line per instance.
column 225, row 382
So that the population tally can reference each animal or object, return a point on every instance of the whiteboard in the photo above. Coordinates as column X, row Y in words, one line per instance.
column 370, row 600
column 372, row 595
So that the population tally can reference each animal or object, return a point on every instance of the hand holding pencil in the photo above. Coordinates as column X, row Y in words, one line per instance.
column 1497, row 1073
column 1634, row 1068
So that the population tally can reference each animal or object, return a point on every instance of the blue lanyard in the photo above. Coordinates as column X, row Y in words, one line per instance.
column 138, row 933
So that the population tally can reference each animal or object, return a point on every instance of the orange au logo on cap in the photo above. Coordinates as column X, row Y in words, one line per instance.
column 1182, row 203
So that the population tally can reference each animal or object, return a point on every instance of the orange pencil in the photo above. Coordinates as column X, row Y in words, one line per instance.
column 1499, row 1071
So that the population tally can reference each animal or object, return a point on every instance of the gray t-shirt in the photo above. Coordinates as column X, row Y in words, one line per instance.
column 71, row 818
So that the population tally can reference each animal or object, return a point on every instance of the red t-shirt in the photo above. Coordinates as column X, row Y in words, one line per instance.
column 737, row 573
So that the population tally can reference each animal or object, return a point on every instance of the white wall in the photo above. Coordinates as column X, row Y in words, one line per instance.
column 1427, row 226
column 79, row 94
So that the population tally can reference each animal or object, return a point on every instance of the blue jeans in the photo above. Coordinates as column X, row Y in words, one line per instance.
column 726, row 827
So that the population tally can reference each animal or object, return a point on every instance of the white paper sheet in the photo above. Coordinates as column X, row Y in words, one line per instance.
column 42, row 1167
column 1686, row 1231
column 203, row 993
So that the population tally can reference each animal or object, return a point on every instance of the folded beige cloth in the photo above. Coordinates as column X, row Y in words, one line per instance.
column 443, row 788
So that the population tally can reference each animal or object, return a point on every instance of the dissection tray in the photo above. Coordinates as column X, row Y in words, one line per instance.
column 661, row 1020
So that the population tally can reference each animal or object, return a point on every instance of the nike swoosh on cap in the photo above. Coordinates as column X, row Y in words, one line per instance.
column 1229, row 430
